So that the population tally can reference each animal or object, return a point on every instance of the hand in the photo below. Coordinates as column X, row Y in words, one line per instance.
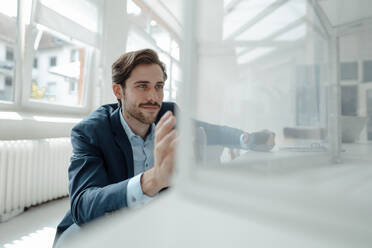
column 158, row 177
column 260, row 141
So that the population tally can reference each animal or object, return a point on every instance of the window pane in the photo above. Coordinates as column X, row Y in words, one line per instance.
column 58, row 71
column 8, row 33
column 176, row 79
column 160, row 35
column 369, row 113
column 175, row 50
column 135, row 41
column 349, row 71
column 253, row 74
column 349, row 100
column 83, row 12
column 367, row 71
column 133, row 8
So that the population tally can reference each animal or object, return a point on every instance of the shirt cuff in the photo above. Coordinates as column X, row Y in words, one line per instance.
column 135, row 195
column 242, row 144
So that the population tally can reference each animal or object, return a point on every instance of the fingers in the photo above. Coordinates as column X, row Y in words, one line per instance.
column 164, row 126
column 165, row 145
column 167, row 139
column 164, row 118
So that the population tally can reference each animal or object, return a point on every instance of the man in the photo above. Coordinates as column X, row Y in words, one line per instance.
column 124, row 155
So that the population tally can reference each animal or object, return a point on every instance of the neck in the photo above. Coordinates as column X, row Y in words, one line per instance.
column 139, row 128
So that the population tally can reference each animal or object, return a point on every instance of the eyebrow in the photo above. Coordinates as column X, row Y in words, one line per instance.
column 147, row 82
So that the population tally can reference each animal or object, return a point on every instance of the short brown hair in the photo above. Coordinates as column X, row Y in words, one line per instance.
column 124, row 65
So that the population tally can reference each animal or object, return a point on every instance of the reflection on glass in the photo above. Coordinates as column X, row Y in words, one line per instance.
column 58, row 70
column 269, row 70
column 369, row 114
column 8, row 34
column 367, row 71
column 276, row 17
column 349, row 71
column 349, row 100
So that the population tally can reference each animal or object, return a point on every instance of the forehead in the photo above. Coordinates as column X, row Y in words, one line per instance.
column 151, row 73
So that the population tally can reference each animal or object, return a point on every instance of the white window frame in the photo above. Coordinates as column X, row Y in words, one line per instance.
column 24, row 57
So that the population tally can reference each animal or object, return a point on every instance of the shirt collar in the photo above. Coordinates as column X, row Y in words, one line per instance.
column 129, row 131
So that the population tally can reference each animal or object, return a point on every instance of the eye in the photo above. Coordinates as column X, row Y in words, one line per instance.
column 142, row 86
column 159, row 86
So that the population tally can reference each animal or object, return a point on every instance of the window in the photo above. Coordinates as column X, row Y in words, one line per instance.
column 367, row 71
column 83, row 12
column 51, row 91
column 63, row 36
column 8, row 81
column 149, row 31
column 9, row 54
column 349, row 71
column 8, row 38
column 59, row 77
column 349, row 100
column 35, row 63
column 307, row 95
column 160, row 35
column 74, row 55
column 52, row 61
column 369, row 114
column 73, row 87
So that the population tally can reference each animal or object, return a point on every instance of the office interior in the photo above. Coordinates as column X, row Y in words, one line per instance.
column 300, row 68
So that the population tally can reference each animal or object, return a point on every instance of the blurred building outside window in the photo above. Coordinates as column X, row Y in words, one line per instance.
column 8, row 37
column 60, row 70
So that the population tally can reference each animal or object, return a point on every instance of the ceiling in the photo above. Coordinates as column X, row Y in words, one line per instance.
column 342, row 12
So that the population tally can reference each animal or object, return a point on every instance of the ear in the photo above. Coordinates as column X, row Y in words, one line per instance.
column 118, row 91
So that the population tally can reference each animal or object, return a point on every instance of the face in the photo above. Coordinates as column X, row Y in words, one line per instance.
column 143, row 94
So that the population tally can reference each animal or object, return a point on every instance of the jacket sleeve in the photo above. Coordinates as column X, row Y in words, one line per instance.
column 220, row 135
column 91, row 194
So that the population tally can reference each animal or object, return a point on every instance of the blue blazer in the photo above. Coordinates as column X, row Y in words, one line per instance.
column 102, row 162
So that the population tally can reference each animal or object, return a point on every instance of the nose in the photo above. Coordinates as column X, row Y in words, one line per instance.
column 152, row 95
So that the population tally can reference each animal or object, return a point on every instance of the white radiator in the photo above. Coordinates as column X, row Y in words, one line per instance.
column 32, row 172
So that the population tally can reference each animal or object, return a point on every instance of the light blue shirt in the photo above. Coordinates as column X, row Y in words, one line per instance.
column 143, row 159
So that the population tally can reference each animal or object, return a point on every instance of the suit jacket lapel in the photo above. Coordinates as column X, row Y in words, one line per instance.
column 122, row 140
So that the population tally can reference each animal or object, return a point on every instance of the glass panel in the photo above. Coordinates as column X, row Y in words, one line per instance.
column 136, row 41
column 83, row 12
column 241, row 13
column 133, row 8
column 349, row 100
column 293, row 11
column 349, row 71
column 58, row 70
column 148, row 33
column 175, row 50
column 367, row 71
column 8, row 37
column 356, row 66
column 176, row 80
column 166, row 95
column 268, row 71
column 161, row 36
column 369, row 114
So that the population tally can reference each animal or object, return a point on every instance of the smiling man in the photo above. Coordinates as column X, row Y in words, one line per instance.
column 123, row 154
